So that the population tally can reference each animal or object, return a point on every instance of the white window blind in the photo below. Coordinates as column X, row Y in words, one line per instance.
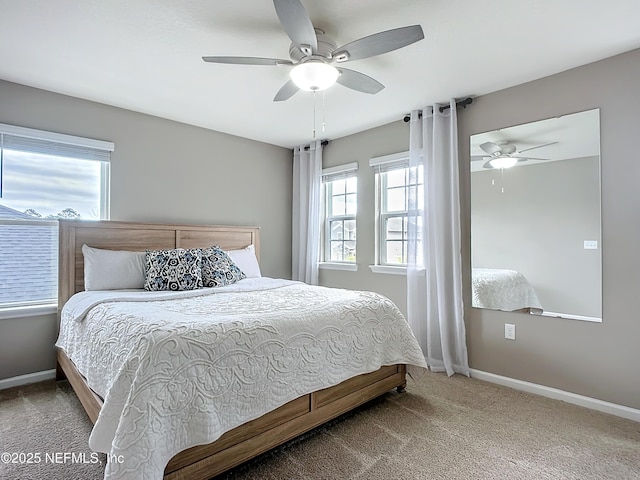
column 50, row 143
column 390, row 162
column 339, row 172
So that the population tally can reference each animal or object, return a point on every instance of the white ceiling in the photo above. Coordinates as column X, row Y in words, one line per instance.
column 145, row 55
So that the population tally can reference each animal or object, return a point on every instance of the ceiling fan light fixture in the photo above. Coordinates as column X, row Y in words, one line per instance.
column 503, row 162
column 314, row 75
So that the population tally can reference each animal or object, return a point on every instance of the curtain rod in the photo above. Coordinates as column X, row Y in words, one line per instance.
column 460, row 103
column 324, row 143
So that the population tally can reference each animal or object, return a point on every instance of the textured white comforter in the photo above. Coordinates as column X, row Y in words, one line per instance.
column 502, row 289
column 179, row 372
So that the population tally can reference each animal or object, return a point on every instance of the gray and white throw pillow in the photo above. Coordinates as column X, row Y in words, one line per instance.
column 176, row 269
column 218, row 269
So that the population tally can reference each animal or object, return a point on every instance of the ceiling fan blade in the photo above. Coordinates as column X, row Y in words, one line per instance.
column 296, row 22
column 490, row 147
column 524, row 159
column 248, row 60
column 539, row 146
column 475, row 158
column 358, row 81
column 379, row 43
column 287, row 91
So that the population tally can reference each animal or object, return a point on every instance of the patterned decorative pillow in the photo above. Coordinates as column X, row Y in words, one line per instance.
column 177, row 269
column 218, row 269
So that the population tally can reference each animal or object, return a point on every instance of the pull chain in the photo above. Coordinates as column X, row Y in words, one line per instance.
column 323, row 113
column 314, row 114
column 493, row 181
column 324, row 123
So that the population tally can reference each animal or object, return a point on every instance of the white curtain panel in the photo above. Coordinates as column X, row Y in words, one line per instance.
column 307, row 173
column 434, row 272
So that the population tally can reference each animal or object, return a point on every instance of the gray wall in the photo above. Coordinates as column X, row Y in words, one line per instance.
column 537, row 226
column 161, row 171
column 599, row 360
column 360, row 148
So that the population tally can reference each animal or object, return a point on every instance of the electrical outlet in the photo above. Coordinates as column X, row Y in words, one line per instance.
column 509, row 331
column 590, row 244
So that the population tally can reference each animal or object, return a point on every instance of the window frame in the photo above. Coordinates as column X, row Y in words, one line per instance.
column 21, row 139
column 382, row 166
column 330, row 175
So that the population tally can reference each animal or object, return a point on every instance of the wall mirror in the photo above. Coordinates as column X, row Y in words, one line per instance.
column 535, row 218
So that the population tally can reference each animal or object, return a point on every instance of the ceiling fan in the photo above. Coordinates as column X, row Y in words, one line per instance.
column 504, row 154
column 313, row 54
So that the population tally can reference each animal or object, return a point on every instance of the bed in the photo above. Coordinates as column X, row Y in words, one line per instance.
column 160, row 428
column 503, row 289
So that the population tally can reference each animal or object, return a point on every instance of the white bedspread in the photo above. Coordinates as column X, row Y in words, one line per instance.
column 179, row 372
column 502, row 289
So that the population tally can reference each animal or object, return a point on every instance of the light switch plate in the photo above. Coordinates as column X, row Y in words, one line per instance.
column 590, row 244
column 509, row 331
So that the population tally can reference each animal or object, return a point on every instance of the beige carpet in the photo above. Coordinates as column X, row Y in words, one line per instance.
column 442, row 428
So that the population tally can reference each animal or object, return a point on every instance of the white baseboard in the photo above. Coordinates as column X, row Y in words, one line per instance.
column 581, row 400
column 28, row 378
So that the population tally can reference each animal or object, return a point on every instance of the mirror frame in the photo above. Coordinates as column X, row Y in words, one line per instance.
column 553, row 153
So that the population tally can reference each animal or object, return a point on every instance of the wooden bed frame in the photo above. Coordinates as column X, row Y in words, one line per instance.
column 252, row 438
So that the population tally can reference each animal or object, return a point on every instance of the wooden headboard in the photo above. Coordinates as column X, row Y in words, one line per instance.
column 137, row 237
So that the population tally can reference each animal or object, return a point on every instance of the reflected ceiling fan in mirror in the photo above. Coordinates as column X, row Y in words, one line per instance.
column 505, row 154
column 315, row 57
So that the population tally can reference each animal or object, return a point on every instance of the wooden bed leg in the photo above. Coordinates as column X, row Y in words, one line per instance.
column 60, row 373
column 402, row 370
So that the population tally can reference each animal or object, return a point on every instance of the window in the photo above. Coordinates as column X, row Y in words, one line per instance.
column 44, row 176
column 340, row 192
column 397, row 185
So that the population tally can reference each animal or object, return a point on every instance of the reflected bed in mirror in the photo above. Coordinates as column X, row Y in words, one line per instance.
column 535, row 218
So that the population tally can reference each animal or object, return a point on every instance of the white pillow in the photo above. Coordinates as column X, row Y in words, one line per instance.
column 246, row 260
column 112, row 269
